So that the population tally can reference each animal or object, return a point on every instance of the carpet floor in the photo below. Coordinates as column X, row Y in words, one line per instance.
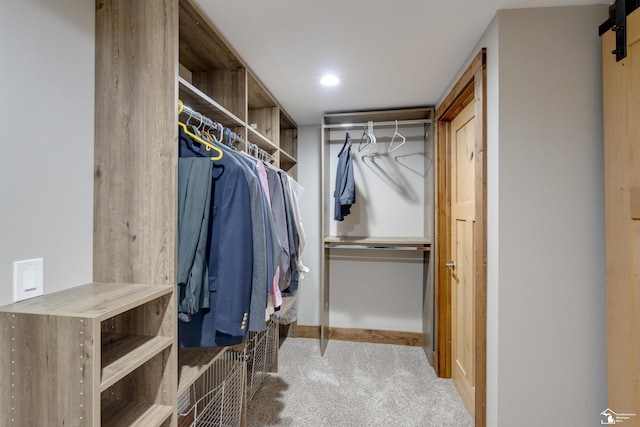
column 353, row 385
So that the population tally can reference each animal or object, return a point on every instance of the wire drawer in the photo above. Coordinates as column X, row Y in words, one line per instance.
column 260, row 356
column 215, row 398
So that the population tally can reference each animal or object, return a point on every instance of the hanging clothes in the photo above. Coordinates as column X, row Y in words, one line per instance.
column 194, row 195
column 253, row 242
column 230, row 267
column 345, row 191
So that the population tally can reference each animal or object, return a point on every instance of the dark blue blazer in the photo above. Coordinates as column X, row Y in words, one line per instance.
column 230, row 253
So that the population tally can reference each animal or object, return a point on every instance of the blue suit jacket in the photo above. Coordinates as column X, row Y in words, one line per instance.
column 230, row 253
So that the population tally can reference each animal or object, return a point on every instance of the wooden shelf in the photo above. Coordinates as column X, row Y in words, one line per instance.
column 89, row 338
column 97, row 301
column 286, row 161
column 261, row 141
column 201, row 46
column 377, row 241
column 122, row 354
column 201, row 102
column 192, row 362
column 221, row 86
column 258, row 96
column 377, row 116
column 118, row 413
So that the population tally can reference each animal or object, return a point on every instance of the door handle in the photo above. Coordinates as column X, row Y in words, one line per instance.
column 450, row 265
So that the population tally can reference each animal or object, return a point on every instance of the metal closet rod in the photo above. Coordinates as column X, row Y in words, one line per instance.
column 377, row 247
column 260, row 151
column 207, row 121
column 385, row 123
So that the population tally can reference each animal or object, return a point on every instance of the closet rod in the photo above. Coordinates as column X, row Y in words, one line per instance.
column 386, row 123
column 378, row 247
column 183, row 108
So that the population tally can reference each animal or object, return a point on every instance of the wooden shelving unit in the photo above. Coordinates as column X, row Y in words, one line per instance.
column 71, row 366
column 403, row 231
column 105, row 353
column 216, row 82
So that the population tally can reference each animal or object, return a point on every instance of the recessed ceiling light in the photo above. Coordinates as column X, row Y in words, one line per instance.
column 329, row 80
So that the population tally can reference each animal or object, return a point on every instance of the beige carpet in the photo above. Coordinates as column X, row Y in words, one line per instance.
column 354, row 385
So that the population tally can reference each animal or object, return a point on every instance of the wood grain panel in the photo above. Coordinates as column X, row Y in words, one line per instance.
column 257, row 95
column 135, row 180
column 135, row 192
column 363, row 335
column 227, row 87
column 463, row 146
column 289, row 142
column 118, row 413
column 621, row 101
column 267, row 121
column 92, row 300
column 121, row 354
column 47, row 364
column 201, row 46
column 480, row 255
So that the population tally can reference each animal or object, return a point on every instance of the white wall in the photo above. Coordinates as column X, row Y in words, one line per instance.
column 309, row 145
column 46, row 148
column 546, row 336
column 378, row 289
column 552, row 332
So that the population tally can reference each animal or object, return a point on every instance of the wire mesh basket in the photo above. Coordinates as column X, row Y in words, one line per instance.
column 260, row 356
column 215, row 398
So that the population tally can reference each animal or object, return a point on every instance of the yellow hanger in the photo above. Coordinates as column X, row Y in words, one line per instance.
column 207, row 144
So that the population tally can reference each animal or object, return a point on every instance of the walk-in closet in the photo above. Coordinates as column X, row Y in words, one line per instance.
column 325, row 213
column 376, row 256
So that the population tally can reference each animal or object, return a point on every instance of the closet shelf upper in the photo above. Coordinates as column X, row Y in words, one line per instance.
column 198, row 100
column 358, row 118
column 261, row 141
column 216, row 82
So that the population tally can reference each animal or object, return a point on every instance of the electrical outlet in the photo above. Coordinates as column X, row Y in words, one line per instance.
column 27, row 279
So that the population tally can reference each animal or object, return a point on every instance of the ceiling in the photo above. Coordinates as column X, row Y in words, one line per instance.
column 387, row 53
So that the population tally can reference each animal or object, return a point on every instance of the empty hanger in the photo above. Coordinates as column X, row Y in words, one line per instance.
column 396, row 134
column 368, row 137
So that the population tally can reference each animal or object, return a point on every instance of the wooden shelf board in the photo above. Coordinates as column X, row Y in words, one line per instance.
column 93, row 300
column 261, row 140
column 373, row 241
column 201, row 46
column 192, row 362
column 202, row 103
column 257, row 95
column 385, row 115
column 287, row 157
column 286, row 122
column 122, row 354
column 118, row 413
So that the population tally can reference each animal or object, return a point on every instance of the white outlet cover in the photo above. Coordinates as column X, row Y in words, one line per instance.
column 27, row 279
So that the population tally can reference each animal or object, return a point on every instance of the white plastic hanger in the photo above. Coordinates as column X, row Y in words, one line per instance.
column 400, row 137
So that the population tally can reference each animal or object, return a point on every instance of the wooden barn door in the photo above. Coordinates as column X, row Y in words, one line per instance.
column 621, row 97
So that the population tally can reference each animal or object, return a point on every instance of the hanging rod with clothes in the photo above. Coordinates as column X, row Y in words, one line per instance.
column 182, row 108
column 204, row 120
column 385, row 123
column 258, row 152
